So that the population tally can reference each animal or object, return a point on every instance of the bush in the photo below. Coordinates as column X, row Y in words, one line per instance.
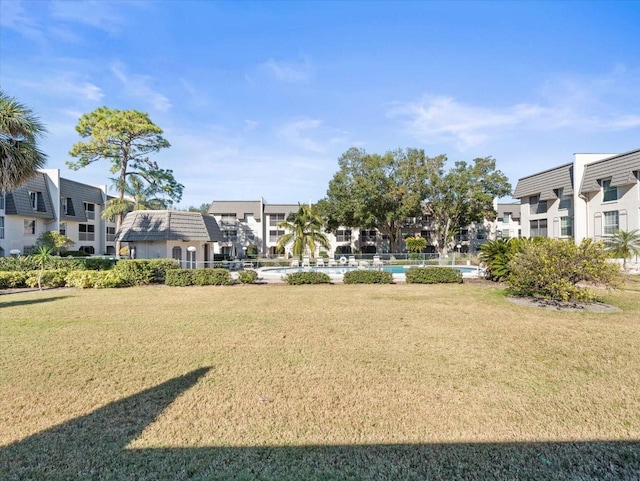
column 50, row 278
column 297, row 278
column 367, row 277
column 12, row 279
column 179, row 277
column 17, row 263
column 139, row 272
column 248, row 276
column 433, row 275
column 552, row 269
column 74, row 254
column 212, row 277
column 95, row 279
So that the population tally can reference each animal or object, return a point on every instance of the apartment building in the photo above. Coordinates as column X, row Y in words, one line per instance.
column 591, row 197
column 48, row 202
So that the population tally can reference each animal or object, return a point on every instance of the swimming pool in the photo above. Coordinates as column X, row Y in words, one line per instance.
column 467, row 271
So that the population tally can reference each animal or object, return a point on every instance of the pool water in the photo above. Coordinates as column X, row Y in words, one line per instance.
column 469, row 270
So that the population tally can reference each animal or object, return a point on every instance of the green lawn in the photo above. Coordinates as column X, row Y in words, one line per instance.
column 314, row 383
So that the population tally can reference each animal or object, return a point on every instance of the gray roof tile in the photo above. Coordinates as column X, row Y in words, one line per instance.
column 18, row 201
column 238, row 208
column 619, row 168
column 164, row 225
column 545, row 183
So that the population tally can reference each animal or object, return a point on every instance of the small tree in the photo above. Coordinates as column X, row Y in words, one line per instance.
column 624, row 244
column 55, row 241
column 416, row 244
column 553, row 268
column 305, row 231
column 42, row 257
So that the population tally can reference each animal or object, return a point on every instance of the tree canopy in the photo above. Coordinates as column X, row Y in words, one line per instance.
column 378, row 191
column 462, row 196
column 20, row 132
column 125, row 138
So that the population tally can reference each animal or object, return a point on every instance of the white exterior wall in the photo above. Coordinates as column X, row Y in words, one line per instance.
column 627, row 205
column 582, row 218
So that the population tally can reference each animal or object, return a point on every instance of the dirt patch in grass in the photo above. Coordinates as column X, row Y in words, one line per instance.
column 563, row 306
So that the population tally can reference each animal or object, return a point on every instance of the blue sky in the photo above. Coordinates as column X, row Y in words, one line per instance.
column 261, row 98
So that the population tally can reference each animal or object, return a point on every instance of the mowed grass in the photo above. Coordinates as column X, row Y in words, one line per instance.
column 316, row 382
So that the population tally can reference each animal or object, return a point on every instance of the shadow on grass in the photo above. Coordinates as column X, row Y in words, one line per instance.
column 93, row 447
column 27, row 302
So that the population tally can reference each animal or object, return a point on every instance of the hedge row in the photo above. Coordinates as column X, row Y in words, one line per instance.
column 198, row 277
column 433, row 275
column 139, row 272
column 312, row 277
column 367, row 277
column 62, row 278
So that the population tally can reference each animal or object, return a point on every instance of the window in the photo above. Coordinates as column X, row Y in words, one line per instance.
column 538, row 228
column 343, row 235
column 481, row 234
column 90, row 210
column 506, row 217
column 609, row 193
column 565, row 200
column 537, row 206
column 87, row 232
column 566, row 226
column 275, row 219
column 33, row 200
column 63, row 228
column 228, row 220
column 111, row 234
column 274, row 235
column 229, row 235
column 425, row 234
column 506, row 233
column 1, row 200
column 611, row 222
column 88, row 250
column 1, row 227
column 64, row 205
column 176, row 253
column 29, row 227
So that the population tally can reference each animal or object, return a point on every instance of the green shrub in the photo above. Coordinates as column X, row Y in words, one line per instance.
column 552, row 269
column 13, row 279
column 139, row 272
column 297, row 278
column 17, row 263
column 433, row 275
column 367, row 277
column 50, row 278
column 95, row 279
column 248, row 276
column 212, row 277
column 74, row 254
column 179, row 277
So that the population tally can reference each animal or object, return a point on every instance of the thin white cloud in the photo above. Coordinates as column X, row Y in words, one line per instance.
column 567, row 103
column 139, row 86
column 311, row 135
column 66, row 84
column 288, row 72
column 97, row 14
column 15, row 17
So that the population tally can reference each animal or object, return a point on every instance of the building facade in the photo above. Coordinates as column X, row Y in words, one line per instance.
column 48, row 202
column 591, row 197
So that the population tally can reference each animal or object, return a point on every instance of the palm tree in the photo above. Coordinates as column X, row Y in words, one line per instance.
column 305, row 231
column 20, row 131
column 624, row 244
column 42, row 257
column 138, row 197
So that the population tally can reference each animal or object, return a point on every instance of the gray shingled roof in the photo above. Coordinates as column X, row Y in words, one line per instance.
column 280, row 208
column 163, row 225
column 18, row 202
column 77, row 194
column 512, row 207
column 544, row 183
column 619, row 168
column 238, row 208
